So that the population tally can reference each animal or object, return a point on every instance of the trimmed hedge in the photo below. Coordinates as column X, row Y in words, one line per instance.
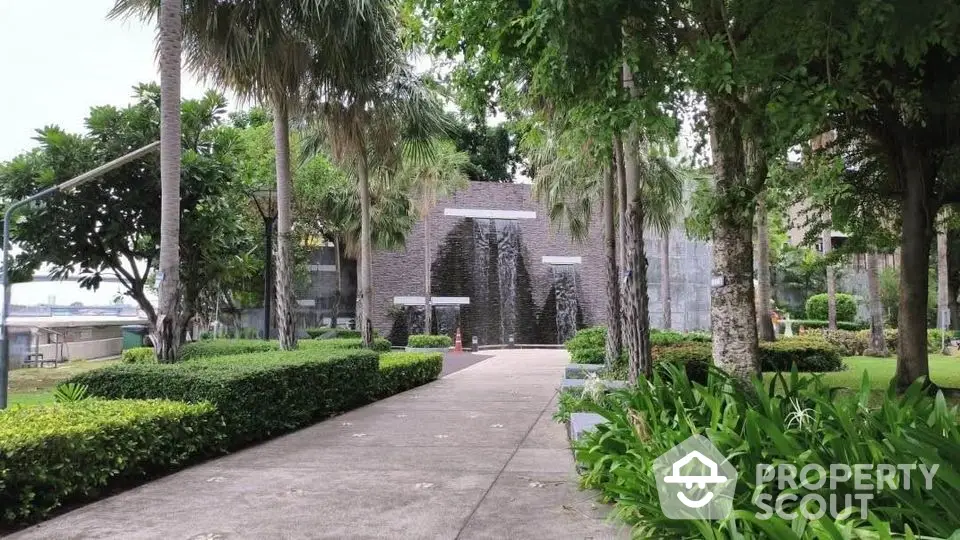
column 400, row 371
column 429, row 341
column 52, row 455
column 259, row 395
column 139, row 355
column 817, row 307
column 224, row 347
column 588, row 346
column 332, row 333
column 808, row 354
column 811, row 324
column 933, row 339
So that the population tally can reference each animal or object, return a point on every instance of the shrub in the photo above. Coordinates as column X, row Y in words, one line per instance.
column 793, row 420
column 670, row 337
column 428, row 341
column 799, row 325
column 846, row 342
column 588, row 346
column 846, row 307
column 696, row 358
column 259, row 395
column 139, row 355
column 401, row 371
column 381, row 344
column 933, row 339
column 224, row 347
column 809, row 355
column 56, row 454
column 332, row 333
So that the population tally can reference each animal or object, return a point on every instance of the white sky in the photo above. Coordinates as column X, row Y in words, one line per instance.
column 58, row 58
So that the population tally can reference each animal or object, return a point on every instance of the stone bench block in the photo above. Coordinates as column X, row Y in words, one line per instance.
column 582, row 422
column 580, row 371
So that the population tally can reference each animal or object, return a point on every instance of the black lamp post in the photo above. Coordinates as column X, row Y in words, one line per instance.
column 266, row 201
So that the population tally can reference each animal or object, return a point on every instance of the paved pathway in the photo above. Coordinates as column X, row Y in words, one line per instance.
column 473, row 455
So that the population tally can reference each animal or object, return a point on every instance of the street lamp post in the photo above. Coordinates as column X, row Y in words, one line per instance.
column 5, row 270
column 266, row 201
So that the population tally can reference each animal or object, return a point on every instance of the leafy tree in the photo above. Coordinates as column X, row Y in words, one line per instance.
column 369, row 133
column 277, row 52
column 492, row 158
column 113, row 226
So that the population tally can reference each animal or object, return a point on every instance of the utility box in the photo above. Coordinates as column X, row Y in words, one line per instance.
column 134, row 335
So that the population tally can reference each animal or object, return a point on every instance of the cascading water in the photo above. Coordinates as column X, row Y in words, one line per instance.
column 565, row 286
column 447, row 319
column 508, row 253
column 415, row 320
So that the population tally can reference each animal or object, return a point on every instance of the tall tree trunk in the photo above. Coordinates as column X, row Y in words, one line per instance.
column 286, row 330
column 919, row 211
column 621, row 238
column 635, row 301
column 427, row 308
column 826, row 239
column 765, row 329
column 943, row 294
column 665, row 280
column 167, row 339
column 733, row 314
column 610, row 211
column 338, row 292
column 365, row 295
column 878, row 342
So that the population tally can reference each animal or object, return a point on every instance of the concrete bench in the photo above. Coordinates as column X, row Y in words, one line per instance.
column 580, row 371
column 582, row 422
column 574, row 384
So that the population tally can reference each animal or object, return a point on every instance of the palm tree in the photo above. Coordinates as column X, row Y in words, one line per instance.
column 278, row 52
column 166, row 331
column 369, row 131
column 426, row 179
column 572, row 182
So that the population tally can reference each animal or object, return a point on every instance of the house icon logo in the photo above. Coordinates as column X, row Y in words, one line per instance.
column 695, row 481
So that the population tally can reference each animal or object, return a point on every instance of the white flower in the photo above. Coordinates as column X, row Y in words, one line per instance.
column 799, row 415
column 594, row 387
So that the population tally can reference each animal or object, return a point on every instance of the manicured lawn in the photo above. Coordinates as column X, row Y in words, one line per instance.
column 32, row 386
column 944, row 370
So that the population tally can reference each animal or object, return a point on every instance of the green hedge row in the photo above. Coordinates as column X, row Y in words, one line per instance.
column 230, row 347
column 429, row 341
column 588, row 346
column 331, row 333
column 139, row 355
column 51, row 455
column 810, row 324
column 401, row 371
column 259, row 395
column 810, row 355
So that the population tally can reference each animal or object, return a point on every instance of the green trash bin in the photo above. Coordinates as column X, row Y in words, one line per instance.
column 133, row 335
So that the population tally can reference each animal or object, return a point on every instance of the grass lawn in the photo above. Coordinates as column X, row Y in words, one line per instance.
column 34, row 385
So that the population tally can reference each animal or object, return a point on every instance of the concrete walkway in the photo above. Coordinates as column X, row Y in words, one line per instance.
column 473, row 455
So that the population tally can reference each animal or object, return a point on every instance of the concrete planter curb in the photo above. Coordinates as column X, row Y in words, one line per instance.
column 427, row 349
column 580, row 371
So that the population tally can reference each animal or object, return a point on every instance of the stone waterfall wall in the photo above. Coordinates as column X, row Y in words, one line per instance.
column 499, row 264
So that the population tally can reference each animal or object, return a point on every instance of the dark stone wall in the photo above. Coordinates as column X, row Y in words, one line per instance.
column 454, row 271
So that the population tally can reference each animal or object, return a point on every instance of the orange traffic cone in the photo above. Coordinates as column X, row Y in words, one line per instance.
column 458, row 343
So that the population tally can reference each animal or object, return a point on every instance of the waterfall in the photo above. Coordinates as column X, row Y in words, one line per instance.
column 508, row 252
column 415, row 320
column 565, row 285
column 447, row 319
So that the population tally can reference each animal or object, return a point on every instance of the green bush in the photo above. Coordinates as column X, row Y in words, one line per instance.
column 429, row 341
column 846, row 307
column 224, row 347
column 332, row 333
column 847, row 343
column 401, row 371
column 793, row 420
column 799, row 325
column 259, row 395
column 381, row 344
column 139, row 355
column 52, row 455
column 670, row 337
column 810, row 355
column 892, row 336
column 588, row 346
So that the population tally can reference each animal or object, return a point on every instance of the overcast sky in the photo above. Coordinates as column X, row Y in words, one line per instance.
column 60, row 57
